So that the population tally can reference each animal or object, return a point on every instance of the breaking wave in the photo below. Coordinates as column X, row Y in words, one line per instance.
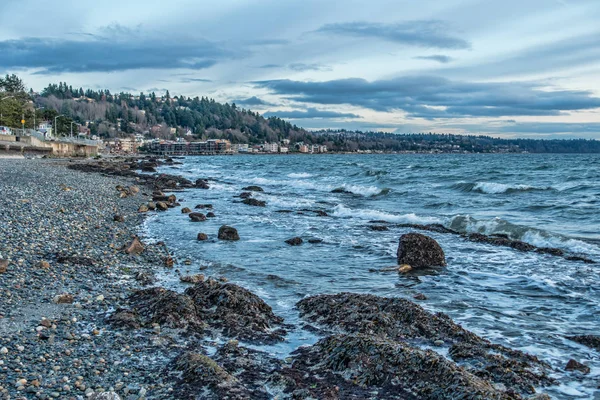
column 496, row 188
column 411, row 218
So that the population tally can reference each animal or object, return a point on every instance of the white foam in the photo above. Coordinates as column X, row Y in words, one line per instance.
column 411, row 218
column 299, row 175
column 498, row 188
column 540, row 239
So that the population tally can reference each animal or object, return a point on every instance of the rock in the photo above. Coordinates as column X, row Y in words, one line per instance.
column 165, row 307
column 340, row 190
column 202, row 236
column 185, row 210
column 321, row 213
column 134, row 190
column 420, row 251
column 253, row 188
column 135, row 247
column 573, row 365
column 367, row 367
column 315, row 241
column 165, row 199
column 74, row 259
column 404, row 268
column 228, row 233
column 245, row 195
column 591, row 341
column 162, row 206
column 204, row 206
column 192, row 278
column 63, row 299
column 254, row 202
column 143, row 208
column 145, row 278
column 3, row 266
column 210, row 215
column 294, row 241
column 197, row 217
column 169, row 262
column 118, row 218
column 235, row 311
column 202, row 184
column 420, row 296
column 151, row 205
column 124, row 319
column 378, row 228
column 43, row 264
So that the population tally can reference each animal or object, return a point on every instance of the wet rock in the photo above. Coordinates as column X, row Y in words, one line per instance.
column 165, row 307
column 315, row 241
column 105, row 396
column 378, row 228
column 200, row 206
column 185, row 210
column 420, row 296
column 499, row 240
column 210, row 215
column 254, row 202
column 125, row 319
column 228, row 233
column 62, row 258
column 235, row 311
column 363, row 366
column 193, row 279
column 151, row 205
column 321, row 213
column 202, row 236
column 169, row 262
column 202, row 184
column 143, row 208
column 197, row 217
column 119, row 218
column 162, row 206
column 419, row 251
column 164, row 199
column 135, row 247
column 591, row 341
column 253, row 188
column 341, row 190
column 145, row 278
column 573, row 365
column 551, row 251
column 245, row 195
column 297, row 241
column 439, row 228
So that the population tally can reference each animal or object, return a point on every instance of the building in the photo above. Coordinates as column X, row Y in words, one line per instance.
column 283, row 149
column 183, row 148
column 240, row 148
column 303, row 148
column 271, row 147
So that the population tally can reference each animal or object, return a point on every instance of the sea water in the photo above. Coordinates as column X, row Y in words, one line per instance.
column 527, row 301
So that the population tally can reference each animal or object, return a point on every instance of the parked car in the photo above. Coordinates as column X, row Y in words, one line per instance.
column 5, row 130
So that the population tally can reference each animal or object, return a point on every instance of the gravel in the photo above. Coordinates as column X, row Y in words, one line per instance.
column 60, row 237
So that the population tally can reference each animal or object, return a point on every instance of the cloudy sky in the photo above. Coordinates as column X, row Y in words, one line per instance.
column 507, row 68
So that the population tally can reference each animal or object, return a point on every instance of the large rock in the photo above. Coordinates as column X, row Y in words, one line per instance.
column 202, row 236
column 202, row 184
column 420, row 251
column 3, row 266
column 228, row 233
column 254, row 202
column 590, row 341
column 296, row 241
column 135, row 247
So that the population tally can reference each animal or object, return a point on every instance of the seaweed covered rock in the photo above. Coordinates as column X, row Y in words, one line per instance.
column 254, row 202
column 401, row 320
column 165, row 307
column 235, row 311
column 395, row 318
column 590, row 341
column 363, row 366
column 420, row 251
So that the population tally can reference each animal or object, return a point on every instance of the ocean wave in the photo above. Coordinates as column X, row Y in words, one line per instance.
column 367, row 191
column 299, row 175
column 411, row 218
column 496, row 188
column 534, row 236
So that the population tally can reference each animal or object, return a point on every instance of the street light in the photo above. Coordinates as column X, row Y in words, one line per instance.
column 56, row 125
column 4, row 98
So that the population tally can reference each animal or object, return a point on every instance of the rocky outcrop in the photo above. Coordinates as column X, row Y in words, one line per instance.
column 253, row 188
column 210, row 215
column 254, row 202
column 193, row 279
column 367, row 367
column 400, row 320
column 378, row 228
column 590, row 341
column 245, row 195
column 202, row 237
column 200, row 206
column 228, row 233
column 202, row 184
column 185, row 210
column 574, row 365
column 420, row 251
column 235, row 312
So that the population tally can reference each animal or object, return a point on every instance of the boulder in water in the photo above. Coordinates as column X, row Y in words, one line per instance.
column 202, row 236
column 297, row 241
column 253, row 188
column 185, row 210
column 254, row 202
column 420, row 251
column 228, row 233
column 573, row 365
column 197, row 217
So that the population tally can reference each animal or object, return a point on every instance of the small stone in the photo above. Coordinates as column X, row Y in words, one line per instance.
column 20, row 348
column 186, row 210
column 297, row 241
column 118, row 218
column 202, row 236
column 192, row 278
column 169, row 262
column 405, row 268
column 3, row 266
column 63, row 299
column 143, row 208
column 420, row 296
column 43, row 264
column 100, row 298
column 4, row 350
column 439, row 343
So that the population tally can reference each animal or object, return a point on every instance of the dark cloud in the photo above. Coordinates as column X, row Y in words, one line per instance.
column 115, row 49
column 301, row 67
column 309, row 114
column 190, row 80
column 435, row 97
column 268, row 66
column 429, row 33
column 436, row 57
column 252, row 101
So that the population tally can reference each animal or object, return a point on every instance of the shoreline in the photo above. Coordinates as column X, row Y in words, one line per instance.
column 116, row 306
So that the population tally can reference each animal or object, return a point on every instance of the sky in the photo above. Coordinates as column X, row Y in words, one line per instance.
column 526, row 68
